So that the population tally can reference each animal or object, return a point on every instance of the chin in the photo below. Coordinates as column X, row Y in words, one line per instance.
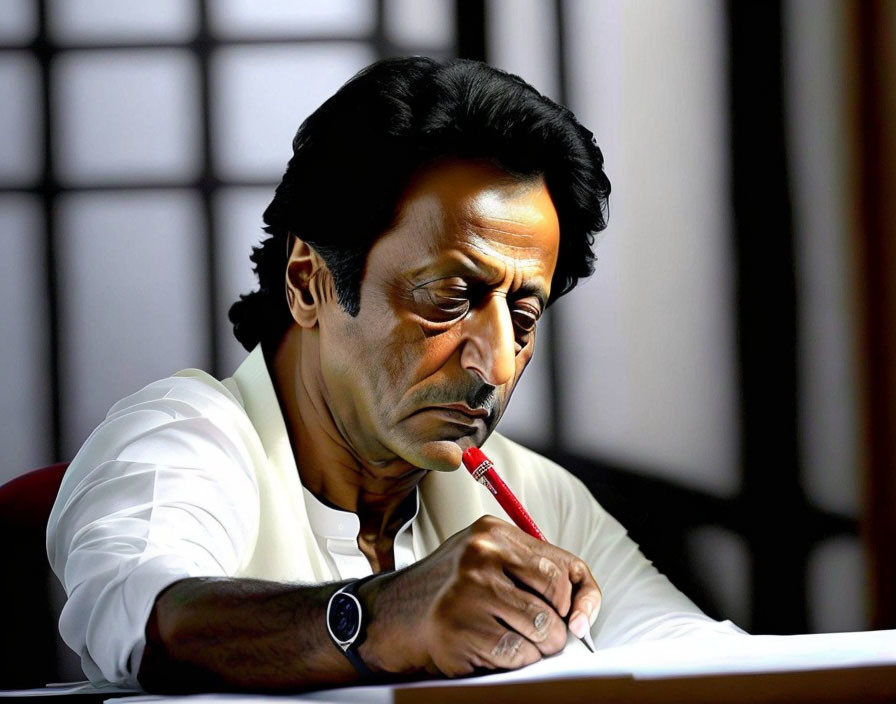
column 437, row 448
column 440, row 455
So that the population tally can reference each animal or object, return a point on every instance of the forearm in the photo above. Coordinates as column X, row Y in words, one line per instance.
column 490, row 597
column 207, row 634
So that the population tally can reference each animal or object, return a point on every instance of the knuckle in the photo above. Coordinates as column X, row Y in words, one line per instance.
column 541, row 626
column 553, row 577
column 551, row 637
column 480, row 549
column 485, row 523
column 548, row 569
column 507, row 647
column 578, row 569
column 491, row 526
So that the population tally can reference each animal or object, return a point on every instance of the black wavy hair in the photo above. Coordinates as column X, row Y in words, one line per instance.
column 354, row 156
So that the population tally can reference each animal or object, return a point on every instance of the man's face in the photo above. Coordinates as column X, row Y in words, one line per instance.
column 449, row 301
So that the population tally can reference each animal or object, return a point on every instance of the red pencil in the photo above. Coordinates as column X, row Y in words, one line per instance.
column 483, row 471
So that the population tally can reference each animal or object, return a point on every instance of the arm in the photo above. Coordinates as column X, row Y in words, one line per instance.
column 490, row 597
column 163, row 490
column 226, row 633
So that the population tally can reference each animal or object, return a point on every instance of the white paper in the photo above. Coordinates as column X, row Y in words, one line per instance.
column 717, row 654
column 61, row 688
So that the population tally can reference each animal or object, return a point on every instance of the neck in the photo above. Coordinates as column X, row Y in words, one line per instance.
column 328, row 464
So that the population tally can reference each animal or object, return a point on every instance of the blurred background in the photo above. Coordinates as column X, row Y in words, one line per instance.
column 725, row 383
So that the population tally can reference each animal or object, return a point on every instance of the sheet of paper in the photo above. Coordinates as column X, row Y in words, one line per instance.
column 717, row 654
column 343, row 695
column 62, row 688
column 682, row 657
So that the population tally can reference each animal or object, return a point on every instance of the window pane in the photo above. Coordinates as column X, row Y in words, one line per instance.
column 721, row 562
column 522, row 39
column 651, row 341
column 26, row 440
column 838, row 592
column 262, row 95
column 238, row 214
column 350, row 18
column 20, row 119
column 18, row 21
column 134, row 291
column 420, row 23
column 127, row 115
column 122, row 20
column 819, row 157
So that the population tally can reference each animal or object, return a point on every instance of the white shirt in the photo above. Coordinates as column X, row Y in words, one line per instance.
column 194, row 477
column 337, row 533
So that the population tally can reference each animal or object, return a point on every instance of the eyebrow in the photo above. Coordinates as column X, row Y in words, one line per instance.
column 468, row 266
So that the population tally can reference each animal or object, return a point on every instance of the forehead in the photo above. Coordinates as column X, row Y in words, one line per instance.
column 477, row 215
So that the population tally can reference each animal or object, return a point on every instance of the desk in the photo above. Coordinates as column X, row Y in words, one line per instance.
column 728, row 669
column 871, row 685
column 835, row 686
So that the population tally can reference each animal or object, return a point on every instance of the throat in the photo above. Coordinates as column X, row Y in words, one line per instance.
column 379, row 530
column 380, row 553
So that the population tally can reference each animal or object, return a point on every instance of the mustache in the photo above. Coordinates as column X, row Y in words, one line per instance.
column 479, row 396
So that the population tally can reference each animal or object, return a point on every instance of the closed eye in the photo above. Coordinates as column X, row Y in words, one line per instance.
column 442, row 301
column 524, row 319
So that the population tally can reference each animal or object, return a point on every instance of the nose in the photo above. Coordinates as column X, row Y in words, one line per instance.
column 489, row 345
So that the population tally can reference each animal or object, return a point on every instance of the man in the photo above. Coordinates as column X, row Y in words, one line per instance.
column 303, row 524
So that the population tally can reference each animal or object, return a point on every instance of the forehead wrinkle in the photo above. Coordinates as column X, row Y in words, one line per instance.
column 483, row 245
column 504, row 232
column 526, row 224
column 525, row 273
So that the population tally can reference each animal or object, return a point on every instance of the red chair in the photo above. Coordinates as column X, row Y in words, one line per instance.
column 28, row 619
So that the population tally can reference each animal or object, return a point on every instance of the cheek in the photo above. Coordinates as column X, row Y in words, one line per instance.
column 411, row 357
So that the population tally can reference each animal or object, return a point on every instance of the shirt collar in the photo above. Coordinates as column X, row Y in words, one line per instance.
column 336, row 524
column 253, row 381
column 260, row 401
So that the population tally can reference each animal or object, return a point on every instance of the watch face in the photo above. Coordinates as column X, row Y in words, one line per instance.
column 344, row 617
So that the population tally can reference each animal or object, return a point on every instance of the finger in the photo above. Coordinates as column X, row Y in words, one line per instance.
column 536, row 571
column 536, row 565
column 586, row 600
column 511, row 650
column 486, row 643
column 530, row 616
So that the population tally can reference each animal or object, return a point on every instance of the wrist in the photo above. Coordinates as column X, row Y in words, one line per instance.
column 393, row 644
column 346, row 622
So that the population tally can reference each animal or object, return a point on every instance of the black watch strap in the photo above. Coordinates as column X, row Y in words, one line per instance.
column 351, row 650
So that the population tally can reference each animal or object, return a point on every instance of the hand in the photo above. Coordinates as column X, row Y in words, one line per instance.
column 490, row 597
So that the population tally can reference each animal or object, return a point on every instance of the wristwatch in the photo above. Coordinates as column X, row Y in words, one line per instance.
column 346, row 623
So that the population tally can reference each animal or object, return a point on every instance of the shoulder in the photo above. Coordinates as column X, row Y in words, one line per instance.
column 189, row 395
column 187, row 420
column 187, row 391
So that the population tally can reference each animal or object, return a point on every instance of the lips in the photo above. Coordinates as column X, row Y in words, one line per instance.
column 459, row 412
column 466, row 410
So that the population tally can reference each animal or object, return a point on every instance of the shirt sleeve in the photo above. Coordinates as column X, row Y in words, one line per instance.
column 638, row 603
column 162, row 490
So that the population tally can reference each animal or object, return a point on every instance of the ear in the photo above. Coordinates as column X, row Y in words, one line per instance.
column 307, row 279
